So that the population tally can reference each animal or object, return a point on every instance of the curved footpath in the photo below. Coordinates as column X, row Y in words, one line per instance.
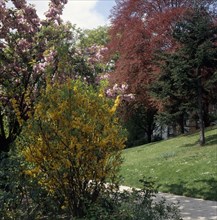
column 191, row 208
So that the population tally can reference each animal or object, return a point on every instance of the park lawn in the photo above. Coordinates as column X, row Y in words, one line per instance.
column 178, row 165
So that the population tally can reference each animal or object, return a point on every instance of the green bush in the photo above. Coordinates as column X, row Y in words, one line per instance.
column 73, row 144
column 20, row 196
column 135, row 205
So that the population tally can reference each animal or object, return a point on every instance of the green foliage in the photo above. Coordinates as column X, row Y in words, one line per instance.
column 133, row 205
column 20, row 196
column 178, row 165
column 141, row 124
column 74, row 144
column 187, row 83
column 98, row 36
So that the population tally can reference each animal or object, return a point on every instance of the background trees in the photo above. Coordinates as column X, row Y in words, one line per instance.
column 139, row 30
column 188, row 80
column 98, row 36
column 74, row 140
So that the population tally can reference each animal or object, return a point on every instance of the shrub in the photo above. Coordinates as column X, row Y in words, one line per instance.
column 74, row 144
column 134, row 205
column 20, row 196
column 23, row 198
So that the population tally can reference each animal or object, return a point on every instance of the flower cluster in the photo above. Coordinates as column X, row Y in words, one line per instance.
column 121, row 91
column 55, row 10
column 23, row 45
column 95, row 53
column 24, row 40
column 116, row 90
column 48, row 59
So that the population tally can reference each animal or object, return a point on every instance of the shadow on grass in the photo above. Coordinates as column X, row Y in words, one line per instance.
column 211, row 140
column 207, row 192
column 190, row 145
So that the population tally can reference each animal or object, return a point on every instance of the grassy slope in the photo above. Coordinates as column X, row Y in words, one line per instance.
column 178, row 165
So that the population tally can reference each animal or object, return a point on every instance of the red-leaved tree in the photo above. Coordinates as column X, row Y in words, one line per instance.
column 138, row 30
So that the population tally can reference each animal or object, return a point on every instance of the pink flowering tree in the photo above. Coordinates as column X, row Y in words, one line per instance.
column 93, row 46
column 32, row 51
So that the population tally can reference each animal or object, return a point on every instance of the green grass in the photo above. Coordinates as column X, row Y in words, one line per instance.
column 178, row 165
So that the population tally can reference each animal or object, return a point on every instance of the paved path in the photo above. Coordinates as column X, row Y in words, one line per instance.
column 191, row 208
column 194, row 209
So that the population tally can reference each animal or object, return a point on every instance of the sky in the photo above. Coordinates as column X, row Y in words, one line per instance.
column 86, row 14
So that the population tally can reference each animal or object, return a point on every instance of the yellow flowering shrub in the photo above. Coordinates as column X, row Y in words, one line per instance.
column 74, row 143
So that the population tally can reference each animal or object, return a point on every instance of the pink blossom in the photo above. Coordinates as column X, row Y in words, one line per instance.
column 55, row 10
column 2, row 3
column 104, row 76
column 98, row 56
column 128, row 97
column 115, row 87
column 50, row 57
column 124, row 86
column 109, row 93
column 23, row 44
column 121, row 91
column 95, row 53
column 39, row 67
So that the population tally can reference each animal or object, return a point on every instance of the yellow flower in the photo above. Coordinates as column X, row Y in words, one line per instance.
column 116, row 104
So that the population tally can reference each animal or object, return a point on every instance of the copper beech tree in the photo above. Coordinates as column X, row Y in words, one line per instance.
column 138, row 30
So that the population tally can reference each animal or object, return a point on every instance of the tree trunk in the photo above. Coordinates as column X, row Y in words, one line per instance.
column 206, row 116
column 200, row 110
column 6, row 140
column 150, row 123
column 4, row 145
column 149, row 136
column 181, row 124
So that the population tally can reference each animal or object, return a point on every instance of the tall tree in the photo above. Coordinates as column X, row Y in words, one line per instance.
column 138, row 29
column 189, row 75
column 31, row 51
column 25, row 50
column 171, row 88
